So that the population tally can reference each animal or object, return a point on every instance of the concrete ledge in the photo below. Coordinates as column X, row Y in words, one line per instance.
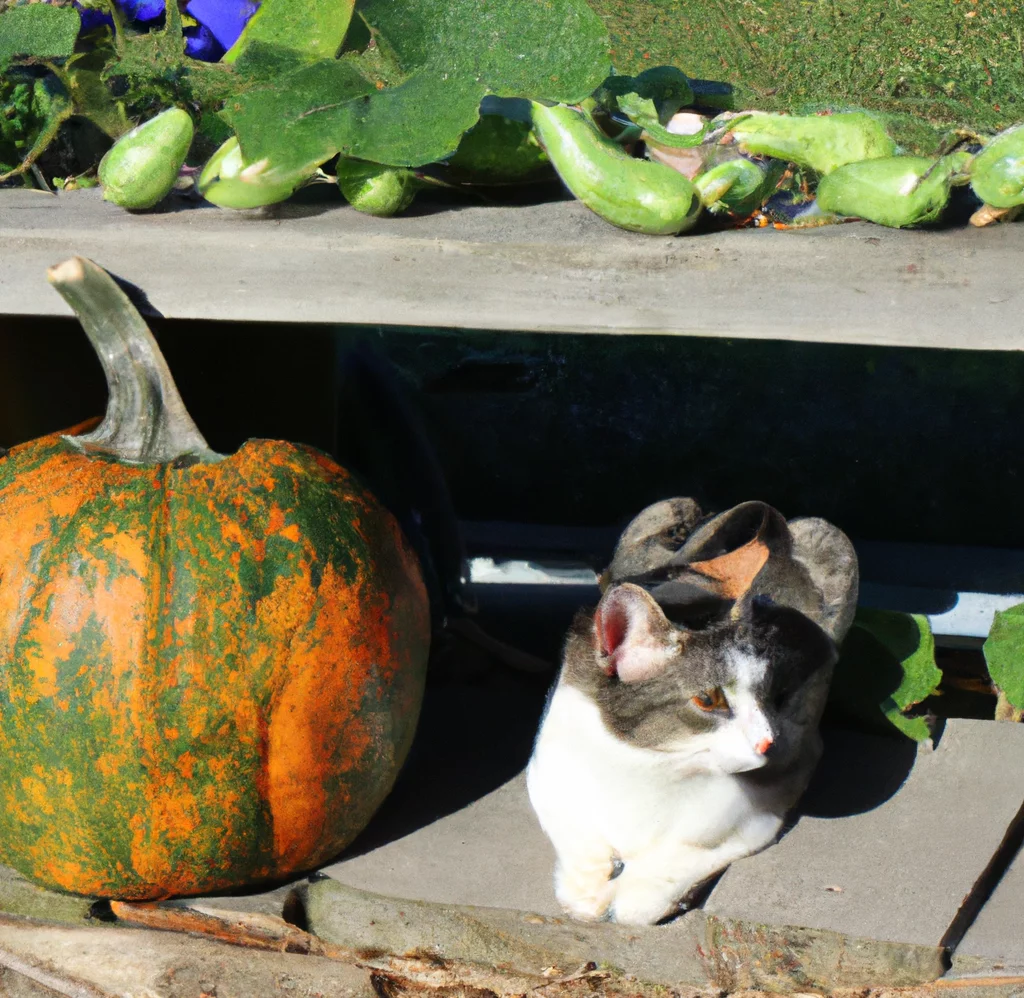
column 994, row 944
column 552, row 267
column 694, row 949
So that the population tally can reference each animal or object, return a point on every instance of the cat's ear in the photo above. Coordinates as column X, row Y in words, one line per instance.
column 730, row 549
column 635, row 639
column 831, row 562
column 651, row 539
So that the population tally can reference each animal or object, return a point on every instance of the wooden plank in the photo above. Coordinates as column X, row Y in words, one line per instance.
column 551, row 267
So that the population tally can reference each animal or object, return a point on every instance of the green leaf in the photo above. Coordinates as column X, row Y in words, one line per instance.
column 886, row 666
column 152, row 62
column 448, row 57
column 92, row 97
column 299, row 142
column 18, row 122
column 650, row 100
column 53, row 106
column 313, row 28
column 37, row 31
column 913, row 727
column 158, row 74
column 498, row 150
column 1004, row 654
column 909, row 637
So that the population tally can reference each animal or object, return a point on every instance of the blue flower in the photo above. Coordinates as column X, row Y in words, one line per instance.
column 224, row 19
column 220, row 22
column 200, row 44
column 92, row 17
column 142, row 11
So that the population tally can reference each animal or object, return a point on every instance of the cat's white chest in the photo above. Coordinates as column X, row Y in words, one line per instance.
column 583, row 778
column 601, row 800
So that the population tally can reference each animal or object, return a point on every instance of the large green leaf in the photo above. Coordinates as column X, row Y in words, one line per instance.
column 37, row 31
column 299, row 141
column 1004, row 654
column 91, row 95
column 448, row 56
column 313, row 28
column 909, row 637
column 887, row 665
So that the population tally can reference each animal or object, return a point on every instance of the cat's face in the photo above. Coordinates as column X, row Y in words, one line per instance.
column 725, row 694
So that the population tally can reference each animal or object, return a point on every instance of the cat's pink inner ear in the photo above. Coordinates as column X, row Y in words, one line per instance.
column 612, row 625
column 635, row 637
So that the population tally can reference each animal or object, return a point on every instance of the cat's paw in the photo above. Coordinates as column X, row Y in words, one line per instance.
column 644, row 902
column 585, row 894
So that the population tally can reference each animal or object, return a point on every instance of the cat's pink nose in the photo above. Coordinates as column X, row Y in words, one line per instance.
column 763, row 745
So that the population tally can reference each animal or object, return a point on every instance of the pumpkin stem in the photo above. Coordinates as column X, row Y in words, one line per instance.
column 146, row 421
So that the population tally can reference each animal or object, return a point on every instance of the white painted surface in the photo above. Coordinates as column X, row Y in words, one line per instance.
column 970, row 615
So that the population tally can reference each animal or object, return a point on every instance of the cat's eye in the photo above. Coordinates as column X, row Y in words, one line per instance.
column 711, row 700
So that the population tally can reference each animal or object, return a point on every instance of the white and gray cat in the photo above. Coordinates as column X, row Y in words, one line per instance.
column 684, row 723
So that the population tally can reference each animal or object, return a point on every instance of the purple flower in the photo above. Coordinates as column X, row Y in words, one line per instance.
column 224, row 19
column 200, row 44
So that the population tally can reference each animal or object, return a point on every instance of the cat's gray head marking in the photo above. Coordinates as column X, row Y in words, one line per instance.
column 741, row 693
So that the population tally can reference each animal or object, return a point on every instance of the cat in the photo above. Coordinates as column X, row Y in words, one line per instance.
column 683, row 724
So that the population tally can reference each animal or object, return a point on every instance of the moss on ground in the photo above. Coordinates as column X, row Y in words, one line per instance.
column 959, row 61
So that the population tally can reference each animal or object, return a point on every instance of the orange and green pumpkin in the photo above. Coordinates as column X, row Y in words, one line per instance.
column 210, row 667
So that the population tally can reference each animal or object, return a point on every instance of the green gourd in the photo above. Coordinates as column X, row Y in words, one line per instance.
column 633, row 194
column 739, row 186
column 140, row 168
column 898, row 191
column 375, row 189
column 822, row 143
column 228, row 181
column 997, row 172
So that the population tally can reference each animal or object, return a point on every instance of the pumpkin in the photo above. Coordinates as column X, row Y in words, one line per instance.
column 210, row 667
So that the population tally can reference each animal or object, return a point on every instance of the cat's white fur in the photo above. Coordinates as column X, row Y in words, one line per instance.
column 672, row 816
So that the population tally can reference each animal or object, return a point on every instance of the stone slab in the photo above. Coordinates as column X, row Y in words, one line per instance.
column 898, row 869
column 146, row 963
column 995, row 941
column 21, row 899
column 693, row 949
column 551, row 267
column 492, row 853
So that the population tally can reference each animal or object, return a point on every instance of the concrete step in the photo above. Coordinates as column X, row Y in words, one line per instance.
column 897, row 864
column 994, row 944
column 492, row 853
column 892, row 846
